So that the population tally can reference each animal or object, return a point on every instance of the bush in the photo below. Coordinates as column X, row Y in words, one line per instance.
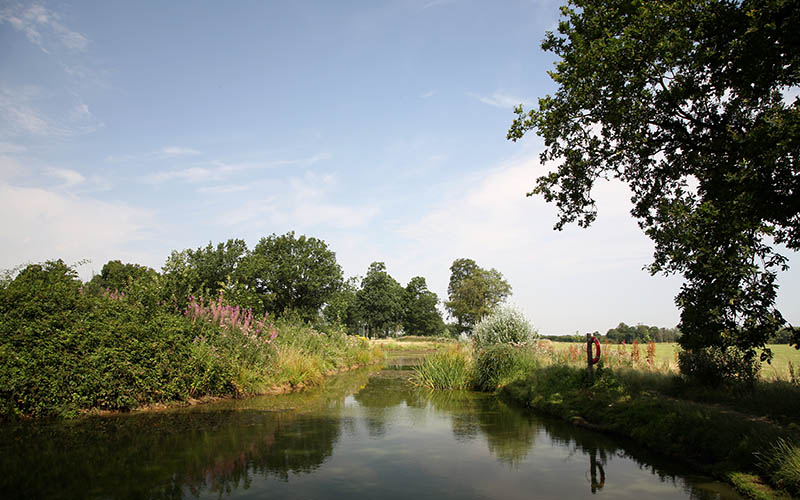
column 505, row 325
column 715, row 366
column 499, row 364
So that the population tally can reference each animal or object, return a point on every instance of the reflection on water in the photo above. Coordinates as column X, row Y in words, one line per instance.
column 365, row 434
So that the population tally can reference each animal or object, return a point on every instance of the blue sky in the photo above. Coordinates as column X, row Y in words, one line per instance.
column 129, row 129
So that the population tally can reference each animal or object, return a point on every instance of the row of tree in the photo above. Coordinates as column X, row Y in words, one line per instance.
column 299, row 276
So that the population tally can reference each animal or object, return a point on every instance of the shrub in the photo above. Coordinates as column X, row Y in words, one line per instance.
column 499, row 364
column 715, row 366
column 505, row 325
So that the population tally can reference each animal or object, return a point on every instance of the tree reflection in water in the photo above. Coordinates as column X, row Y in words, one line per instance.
column 304, row 439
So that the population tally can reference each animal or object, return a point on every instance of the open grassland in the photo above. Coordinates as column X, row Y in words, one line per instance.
column 665, row 357
column 413, row 343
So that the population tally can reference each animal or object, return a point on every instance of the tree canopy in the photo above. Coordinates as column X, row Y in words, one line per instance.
column 683, row 100
column 474, row 292
column 297, row 273
column 380, row 301
column 420, row 316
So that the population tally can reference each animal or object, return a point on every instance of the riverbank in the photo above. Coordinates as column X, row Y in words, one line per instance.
column 66, row 349
column 743, row 449
column 746, row 436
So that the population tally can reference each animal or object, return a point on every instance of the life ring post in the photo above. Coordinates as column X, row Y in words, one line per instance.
column 591, row 359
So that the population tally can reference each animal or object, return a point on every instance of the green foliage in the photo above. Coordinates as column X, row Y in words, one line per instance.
column 65, row 350
column 380, row 301
column 682, row 101
column 499, row 364
column 341, row 307
column 204, row 271
column 117, row 276
column 781, row 463
column 420, row 316
column 714, row 366
column 288, row 272
column 505, row 325
column 447, row 369
column 474, row 292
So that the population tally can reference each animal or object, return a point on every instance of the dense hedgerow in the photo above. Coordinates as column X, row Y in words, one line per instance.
column 66, row 347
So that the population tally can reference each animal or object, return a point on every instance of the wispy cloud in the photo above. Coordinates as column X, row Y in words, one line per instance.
column 500, row 100
column 69, row 178
column 43, row 27
column 173, row 151
column 303, row 203
column 428, row 94
column 436, row 3
column 21, row 114
column 220, row 171
column 10, row 148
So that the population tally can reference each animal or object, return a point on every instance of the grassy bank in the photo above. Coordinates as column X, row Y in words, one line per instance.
column 67, row 349
column 746, row 436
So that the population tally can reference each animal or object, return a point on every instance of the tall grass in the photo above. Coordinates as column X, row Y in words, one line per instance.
column 781, row 463
column 447, row 369
column 497, row 365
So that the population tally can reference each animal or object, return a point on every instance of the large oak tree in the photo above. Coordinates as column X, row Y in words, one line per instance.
column 689, row 103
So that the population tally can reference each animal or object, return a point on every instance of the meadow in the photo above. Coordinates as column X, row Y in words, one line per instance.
column 785, row 365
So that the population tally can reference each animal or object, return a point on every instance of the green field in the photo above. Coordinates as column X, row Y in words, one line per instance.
column 666, row 357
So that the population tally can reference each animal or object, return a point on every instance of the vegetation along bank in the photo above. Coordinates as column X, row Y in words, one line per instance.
column 744, row 433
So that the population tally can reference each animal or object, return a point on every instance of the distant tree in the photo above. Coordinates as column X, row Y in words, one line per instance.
column 420, row 316
column 380, row 301
column 474, row 292
column 682, row 100
column 642, row 333
column 293, row 273
column 115, row 275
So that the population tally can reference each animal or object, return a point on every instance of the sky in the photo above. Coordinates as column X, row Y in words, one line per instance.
column 131, row 129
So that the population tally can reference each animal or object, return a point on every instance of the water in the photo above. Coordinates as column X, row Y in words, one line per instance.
column 365, row 434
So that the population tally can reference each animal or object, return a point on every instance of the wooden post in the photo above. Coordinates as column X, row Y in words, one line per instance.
column 589, row 357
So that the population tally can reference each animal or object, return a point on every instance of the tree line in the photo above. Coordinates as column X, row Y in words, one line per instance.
column 298, row 276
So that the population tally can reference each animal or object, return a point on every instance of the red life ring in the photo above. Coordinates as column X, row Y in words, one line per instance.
column 596, row 356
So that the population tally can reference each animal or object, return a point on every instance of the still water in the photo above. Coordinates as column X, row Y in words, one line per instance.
column 364, row 434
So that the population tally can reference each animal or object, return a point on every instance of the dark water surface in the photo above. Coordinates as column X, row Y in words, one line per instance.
column 365, row 434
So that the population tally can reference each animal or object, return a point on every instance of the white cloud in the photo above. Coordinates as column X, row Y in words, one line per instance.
column 221, row 171
column 501, row 100
column 301, row 202
column 69, row 178
column 570, row 280
column 9, row 167
column 48, row 225
column 172, row 151
column 7, row 147
column 20, row 114
column 43, row 28
column 428, row 94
